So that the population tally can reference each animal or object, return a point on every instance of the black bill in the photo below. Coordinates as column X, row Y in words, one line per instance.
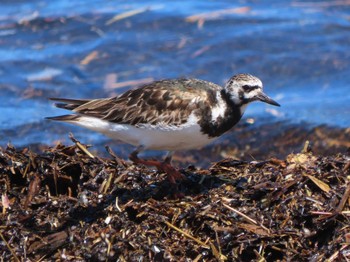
column 264, row 98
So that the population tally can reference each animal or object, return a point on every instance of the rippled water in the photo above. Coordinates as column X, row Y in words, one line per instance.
column 72, row 49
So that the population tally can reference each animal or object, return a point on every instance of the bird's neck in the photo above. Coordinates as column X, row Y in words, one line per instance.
column 216, row 125
column 234, row 111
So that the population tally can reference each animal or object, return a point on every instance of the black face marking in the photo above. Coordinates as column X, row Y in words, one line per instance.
column 242, row 98
column 241, row 95
column 222, row 124
column 248, row 88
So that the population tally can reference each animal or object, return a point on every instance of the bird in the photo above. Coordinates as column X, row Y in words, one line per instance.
column 167, row 115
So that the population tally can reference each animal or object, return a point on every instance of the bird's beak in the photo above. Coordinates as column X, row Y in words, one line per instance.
column 264, row 98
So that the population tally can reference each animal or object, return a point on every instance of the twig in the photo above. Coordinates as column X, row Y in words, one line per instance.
column 322, row 185
column 246, row 217
column 343, row 200
column 346, row 212
column 117, row 204
column 33, row 189
column 217, row 251
column 336, row 253
column 119, row 161
column 306, row 147
column 321, row 213
column 347, row 166
column 81, row 147
column 187, row 235
column 8, row 246
column 338, row 210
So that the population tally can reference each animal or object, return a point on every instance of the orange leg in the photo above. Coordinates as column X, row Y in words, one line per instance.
column 165, row 166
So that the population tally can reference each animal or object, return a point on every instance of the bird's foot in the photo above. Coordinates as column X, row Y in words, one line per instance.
column 173, row 174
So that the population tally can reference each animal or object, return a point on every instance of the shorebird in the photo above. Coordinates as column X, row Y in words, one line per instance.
column 169, row 115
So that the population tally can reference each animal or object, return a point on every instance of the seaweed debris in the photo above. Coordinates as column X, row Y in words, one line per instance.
column 67, row 204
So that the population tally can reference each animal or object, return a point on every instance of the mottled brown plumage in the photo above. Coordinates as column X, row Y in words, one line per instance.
column 169, row 102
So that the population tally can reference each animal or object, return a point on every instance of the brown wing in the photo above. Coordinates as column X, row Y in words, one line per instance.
column 165, row 101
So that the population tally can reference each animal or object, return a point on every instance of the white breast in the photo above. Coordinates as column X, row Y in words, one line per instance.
column 159, row 137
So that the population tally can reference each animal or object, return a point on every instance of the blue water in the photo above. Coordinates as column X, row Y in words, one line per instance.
column 301, row 51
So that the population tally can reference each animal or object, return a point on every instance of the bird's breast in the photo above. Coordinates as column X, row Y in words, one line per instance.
column 157, row 137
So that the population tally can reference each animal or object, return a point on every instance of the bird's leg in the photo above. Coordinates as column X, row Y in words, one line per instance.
column 164, row 166
column 168, row 157
column 173, row 174
column 134, row 158
column 134, row 155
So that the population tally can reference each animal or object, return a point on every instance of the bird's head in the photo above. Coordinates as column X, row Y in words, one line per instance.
column 245, row 88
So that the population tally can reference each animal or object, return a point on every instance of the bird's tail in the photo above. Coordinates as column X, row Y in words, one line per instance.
column 64, row 118
column 69, row 104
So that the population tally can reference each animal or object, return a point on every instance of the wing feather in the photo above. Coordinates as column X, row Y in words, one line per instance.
column 161, row 102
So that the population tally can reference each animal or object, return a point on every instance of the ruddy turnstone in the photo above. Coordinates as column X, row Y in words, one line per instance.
column 170, row 115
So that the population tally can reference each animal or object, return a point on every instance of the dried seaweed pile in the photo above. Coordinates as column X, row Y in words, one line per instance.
column 67, row 204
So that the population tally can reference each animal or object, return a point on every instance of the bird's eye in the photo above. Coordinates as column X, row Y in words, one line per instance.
column 248, row 88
